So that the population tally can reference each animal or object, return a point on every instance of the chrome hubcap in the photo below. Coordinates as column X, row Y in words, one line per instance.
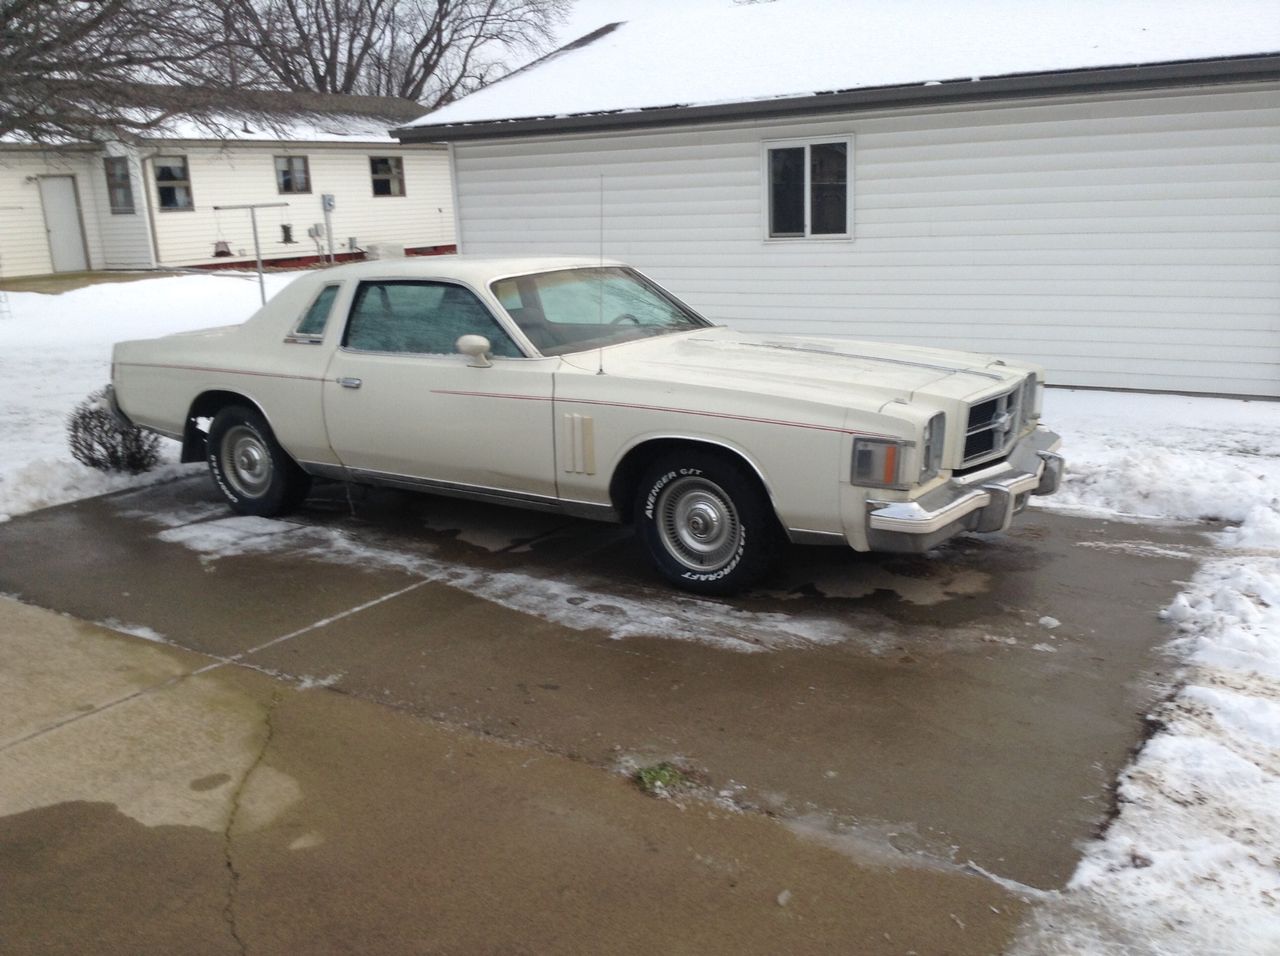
column 698, row 524
column 248, row 461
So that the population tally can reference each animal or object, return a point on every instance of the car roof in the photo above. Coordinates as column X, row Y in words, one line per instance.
column 474, row 270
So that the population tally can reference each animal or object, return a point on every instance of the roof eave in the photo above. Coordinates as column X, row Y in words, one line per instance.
column 1180, row 73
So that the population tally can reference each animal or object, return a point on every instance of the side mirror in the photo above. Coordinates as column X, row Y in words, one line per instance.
column 477, row 346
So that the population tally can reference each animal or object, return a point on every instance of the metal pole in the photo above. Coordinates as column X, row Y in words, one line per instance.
column 328, row 231
column 257, row 248
column 257, row 252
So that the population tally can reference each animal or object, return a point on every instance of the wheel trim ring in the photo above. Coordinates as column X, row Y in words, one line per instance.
column 246, row 461
column 698, row 524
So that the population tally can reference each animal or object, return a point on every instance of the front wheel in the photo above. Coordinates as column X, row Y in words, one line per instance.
column 254, row 474
column 706, row 522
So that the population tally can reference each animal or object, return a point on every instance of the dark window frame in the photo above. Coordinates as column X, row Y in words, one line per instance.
column 393, row 176
column 290, row 174
column 119, row 185
column 174, row 183
column 806, row 200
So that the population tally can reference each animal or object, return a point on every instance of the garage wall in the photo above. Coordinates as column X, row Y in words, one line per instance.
column 1130, row 241
column 241, row 174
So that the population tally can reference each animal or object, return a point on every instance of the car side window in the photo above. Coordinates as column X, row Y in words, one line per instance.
column 312, row 324
column 421, row 317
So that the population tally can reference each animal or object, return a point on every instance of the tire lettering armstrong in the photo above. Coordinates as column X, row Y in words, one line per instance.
column 726, row 570
column 215, row 467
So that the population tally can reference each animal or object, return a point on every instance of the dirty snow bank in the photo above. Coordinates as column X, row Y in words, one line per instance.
column 1170, row 456
column 1189, row 865
column 56, row 349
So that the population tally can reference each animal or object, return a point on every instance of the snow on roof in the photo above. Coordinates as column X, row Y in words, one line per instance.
column 154, row 112
column 314, row 128
column 707, row 52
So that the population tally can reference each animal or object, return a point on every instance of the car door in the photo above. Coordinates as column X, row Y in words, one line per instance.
column 400, row 402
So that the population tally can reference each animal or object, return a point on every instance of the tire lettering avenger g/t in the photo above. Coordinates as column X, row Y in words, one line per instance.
column 705, row 521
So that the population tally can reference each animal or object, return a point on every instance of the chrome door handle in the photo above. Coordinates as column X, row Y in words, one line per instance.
column 350, row 382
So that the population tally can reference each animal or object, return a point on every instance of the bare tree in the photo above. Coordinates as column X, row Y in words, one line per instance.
column 429, row 51
column 96, row 69
column 66, row 65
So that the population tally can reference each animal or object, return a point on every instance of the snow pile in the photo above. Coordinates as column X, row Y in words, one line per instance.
column 56, row 349
column 1166, row 455
column 1189, row 864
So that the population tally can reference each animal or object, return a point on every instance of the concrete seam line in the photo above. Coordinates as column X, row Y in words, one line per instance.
column 324, row 622
column 218, row 662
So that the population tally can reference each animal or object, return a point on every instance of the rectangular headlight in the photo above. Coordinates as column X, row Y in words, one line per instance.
column 879, row 461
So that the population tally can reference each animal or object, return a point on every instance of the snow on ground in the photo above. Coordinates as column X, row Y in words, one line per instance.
column 56, row 349
column 1189, row 865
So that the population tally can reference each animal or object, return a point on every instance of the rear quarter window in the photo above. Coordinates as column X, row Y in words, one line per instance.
column 316, row 318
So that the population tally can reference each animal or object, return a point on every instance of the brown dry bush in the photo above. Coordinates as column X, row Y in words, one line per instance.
column 98, row 440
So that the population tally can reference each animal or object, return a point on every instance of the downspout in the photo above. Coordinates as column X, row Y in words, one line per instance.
column 457, row 205
column 148, row 175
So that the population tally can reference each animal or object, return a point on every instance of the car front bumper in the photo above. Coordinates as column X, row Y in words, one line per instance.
column 985, row 500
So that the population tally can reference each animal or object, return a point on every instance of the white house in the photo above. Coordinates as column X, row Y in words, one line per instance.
column 153, row 201
column 1093, row 185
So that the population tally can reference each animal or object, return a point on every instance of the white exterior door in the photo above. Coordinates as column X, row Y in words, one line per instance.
column 62, row 223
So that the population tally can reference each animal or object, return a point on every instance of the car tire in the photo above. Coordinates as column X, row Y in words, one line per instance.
column 254, row 474
column 706, row 522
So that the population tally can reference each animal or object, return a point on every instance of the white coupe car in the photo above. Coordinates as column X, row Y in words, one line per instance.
column 582, row 387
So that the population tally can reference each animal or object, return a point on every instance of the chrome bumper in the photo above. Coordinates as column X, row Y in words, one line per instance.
column 986, row 500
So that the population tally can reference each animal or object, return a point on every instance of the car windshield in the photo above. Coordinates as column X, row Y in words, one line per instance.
column 573, row 310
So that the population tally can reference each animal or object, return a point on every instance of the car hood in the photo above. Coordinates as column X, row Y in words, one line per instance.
column 811, row 367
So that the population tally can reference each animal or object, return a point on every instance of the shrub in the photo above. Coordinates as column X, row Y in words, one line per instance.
column 98, row 440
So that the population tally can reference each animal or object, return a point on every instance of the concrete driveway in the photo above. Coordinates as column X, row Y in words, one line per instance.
column 891, row 726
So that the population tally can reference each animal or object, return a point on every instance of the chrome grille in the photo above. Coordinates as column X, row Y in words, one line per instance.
column 993, row 427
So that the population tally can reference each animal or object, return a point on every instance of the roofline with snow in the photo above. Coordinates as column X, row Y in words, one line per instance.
column 1151, row 76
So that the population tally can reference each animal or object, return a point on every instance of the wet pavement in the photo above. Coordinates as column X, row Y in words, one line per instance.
column 973, row 704
column 155, row 802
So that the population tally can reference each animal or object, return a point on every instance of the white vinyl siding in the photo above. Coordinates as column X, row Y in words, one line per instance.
column 1131, row 241
column 247, row 174
column 24, row 243
column 125, row 239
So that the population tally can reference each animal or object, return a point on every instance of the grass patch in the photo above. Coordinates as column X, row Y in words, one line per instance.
column 662, row 778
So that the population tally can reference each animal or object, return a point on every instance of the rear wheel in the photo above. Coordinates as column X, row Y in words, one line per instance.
column 254, row 474
column 706, row 522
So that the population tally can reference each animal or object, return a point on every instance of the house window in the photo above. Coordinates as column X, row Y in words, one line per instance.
column 119, row 186
column 388, row 175
column 808, row 189
column 292, row 174
column 173, row 183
